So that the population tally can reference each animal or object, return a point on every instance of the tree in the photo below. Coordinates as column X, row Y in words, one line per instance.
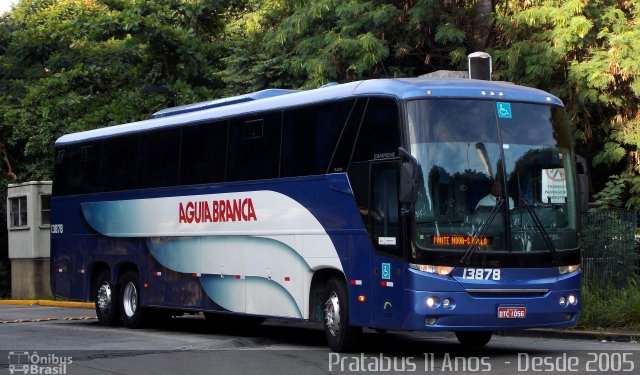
column 250, row 63
column 585, row 53
column 73, row 65
column 298, row 43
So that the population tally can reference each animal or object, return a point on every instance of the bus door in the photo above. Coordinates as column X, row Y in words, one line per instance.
column 385, row 232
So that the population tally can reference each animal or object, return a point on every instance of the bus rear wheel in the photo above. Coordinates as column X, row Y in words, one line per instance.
column 341, row 336
column 474, row 339
column 130, row 309
column 106, row 300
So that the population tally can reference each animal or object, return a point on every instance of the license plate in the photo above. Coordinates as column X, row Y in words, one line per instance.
column 512, row 312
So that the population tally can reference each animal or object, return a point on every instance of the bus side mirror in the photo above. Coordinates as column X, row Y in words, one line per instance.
column 407, row 183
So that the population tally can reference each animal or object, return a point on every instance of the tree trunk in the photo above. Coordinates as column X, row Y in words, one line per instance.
column 482, row 24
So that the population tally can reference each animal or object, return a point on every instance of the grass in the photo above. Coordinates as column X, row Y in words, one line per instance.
column 610, row 307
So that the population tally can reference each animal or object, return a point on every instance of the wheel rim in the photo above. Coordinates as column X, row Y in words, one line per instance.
column 332, row 314
column 103, row 299
column 130, row 299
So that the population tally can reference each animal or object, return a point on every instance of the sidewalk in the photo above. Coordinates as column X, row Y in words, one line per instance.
column 578, row 334
column 44, row 302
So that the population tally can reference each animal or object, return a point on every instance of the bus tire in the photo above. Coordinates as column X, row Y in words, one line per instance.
column 341, row 336
column 474, row 339
column 130, row 309
column 105, row 295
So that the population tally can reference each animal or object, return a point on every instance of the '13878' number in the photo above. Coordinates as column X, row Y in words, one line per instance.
column 481, row 273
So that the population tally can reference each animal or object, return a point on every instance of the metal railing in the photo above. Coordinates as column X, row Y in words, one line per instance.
column 610, row 252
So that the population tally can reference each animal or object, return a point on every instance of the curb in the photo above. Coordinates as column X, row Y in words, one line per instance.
column 40, row 302
column 575, row 334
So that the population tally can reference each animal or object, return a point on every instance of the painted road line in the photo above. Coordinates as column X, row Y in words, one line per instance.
column 37, row 320
column 41, row 302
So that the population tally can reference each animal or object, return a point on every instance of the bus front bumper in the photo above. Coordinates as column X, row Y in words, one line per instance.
column 460, row 311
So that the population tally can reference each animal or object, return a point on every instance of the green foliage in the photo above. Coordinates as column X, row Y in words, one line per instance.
column 73, row 65
column 249, row 64
column 309, row 43
column 586, row 53
column 597, row 311
column 611, row 194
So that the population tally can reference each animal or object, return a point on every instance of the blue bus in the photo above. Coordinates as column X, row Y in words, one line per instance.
column 416, row 204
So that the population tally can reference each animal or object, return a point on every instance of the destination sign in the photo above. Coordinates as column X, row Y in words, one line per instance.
column 459, row 240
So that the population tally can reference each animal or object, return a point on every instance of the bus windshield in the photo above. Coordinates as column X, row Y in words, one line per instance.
column 497, row 176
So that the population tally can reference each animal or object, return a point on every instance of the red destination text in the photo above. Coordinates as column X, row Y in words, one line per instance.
column 217, row 211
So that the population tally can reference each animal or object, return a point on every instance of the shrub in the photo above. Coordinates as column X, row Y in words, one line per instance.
column 608, row 307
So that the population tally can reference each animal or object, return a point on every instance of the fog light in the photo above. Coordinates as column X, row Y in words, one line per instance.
column 430, row 321
column 563, row 301
column 446, row 303
column 431, row 302
column 572, row 299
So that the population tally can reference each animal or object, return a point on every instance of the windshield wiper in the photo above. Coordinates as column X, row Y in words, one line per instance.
column 543, row 232
column 475, row 237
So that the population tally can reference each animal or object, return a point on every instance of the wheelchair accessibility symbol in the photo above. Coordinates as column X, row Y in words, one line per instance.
column 504, row 110
column 386, row 271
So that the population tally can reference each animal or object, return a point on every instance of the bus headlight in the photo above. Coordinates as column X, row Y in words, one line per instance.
column 438, row 270
column 568, row 269
column 446, row 303
column 569, row 300
column 431, row 302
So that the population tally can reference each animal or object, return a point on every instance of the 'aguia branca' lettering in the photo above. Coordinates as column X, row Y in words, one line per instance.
column 217, row 211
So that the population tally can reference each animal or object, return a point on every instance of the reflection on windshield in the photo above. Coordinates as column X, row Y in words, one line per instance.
column 465, row 170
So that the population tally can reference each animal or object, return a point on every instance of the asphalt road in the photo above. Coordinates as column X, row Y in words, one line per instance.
column 70, row 341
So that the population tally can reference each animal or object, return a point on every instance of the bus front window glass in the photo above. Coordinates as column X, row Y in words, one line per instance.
column 458, row 149
column 539, row 166
column 473, row 159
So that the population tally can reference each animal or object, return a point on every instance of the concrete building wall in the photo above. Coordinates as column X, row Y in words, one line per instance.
column 30, row 278
column 29, row 242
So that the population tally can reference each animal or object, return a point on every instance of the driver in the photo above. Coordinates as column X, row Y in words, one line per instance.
column 490, row 199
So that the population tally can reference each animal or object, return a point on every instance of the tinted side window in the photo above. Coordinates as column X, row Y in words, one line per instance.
column 342, row 155
column 159, row 157
column 254, row 148
column 379, row 136
column 309, row 136
column 385, row 212
column 204, row 153
column 119, row 166
column 77, row 169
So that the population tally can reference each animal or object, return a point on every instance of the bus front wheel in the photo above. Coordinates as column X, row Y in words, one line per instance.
column 130, row 309
column 341, row 336
column 106, row 300
column 474, row 339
